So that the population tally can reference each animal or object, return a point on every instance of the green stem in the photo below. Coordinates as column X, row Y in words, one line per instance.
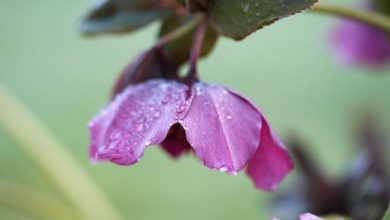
column 54, row 159
column 182, row 30
column 33, row 202
column 372, row 18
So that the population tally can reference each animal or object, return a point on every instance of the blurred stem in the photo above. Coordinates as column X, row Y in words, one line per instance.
column 54, row 159
column 372, row 18
column 387, row 214
column 182, row 30
column 33, row 202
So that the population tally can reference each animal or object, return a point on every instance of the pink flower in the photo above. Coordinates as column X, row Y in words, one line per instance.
column 361, row 45
column 223, row 129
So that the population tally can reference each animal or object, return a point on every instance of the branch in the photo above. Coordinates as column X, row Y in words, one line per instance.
column 372, row 18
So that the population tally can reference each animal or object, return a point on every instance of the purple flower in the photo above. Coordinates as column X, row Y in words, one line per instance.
column 223, row 129
column 360, row 44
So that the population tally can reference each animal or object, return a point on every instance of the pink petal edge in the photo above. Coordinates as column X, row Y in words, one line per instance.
column 138, row 117
column 222, row 128
column 271, row 162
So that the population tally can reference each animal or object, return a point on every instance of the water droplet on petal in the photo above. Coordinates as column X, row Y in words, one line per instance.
column 140, row 127
column 199, row 90
column 223, row 169
column 157, row 114
column 163, row 86
column 180, row 108
column 229, row 117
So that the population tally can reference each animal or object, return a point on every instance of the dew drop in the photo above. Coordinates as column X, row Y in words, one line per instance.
column 157, row 114
column 223, row 169
column 140, row 127
column 115, row 135
column 163, row 86
column 180, row 108
column 103, row 112
column 229, row 117
column 199, row 90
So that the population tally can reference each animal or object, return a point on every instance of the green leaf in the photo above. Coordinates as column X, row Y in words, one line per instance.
column 382, row 6
column 178, row 51
column 115, row 16
column 239, row 18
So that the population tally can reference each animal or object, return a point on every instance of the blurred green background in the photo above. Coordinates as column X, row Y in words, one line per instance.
column 287, row 69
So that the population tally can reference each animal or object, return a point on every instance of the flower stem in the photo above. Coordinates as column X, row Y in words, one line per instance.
column 372, row 18
column 33, row 202
column 197, row 49
column 54, row 159
column 177, row 33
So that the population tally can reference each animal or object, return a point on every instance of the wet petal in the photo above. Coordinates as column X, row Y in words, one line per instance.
column 361, row 44
column 271, row 162
column 222, row 127
column 140, row 116
column 176, row 144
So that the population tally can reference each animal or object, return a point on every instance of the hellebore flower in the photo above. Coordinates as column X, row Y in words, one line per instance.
column 223, row 129
column 360, row 44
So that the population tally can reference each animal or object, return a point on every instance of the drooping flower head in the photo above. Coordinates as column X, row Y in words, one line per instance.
column 360, row 44
column 153, row 105
column 224, row 130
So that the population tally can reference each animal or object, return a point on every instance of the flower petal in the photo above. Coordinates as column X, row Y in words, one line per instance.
column 222, row 127
column 140, row 116
column 361, row 44
column 176, row 144
column 271, row 162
